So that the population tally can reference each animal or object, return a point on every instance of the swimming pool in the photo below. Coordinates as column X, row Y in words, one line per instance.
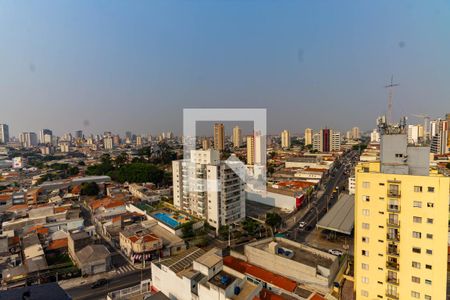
column 165, row 218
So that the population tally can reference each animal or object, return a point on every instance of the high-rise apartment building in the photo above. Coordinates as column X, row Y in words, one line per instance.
column 375, row 136
column 219, row 137
column 208, row 188
column 308, row 136
column 285, row 139
column 28, row 139
column 355, row 133
column 439, row 136
column 205, row 144
column 139, row 140
column 237, row 137
column 401, row 221
column 4, row 134
column 45, row 136
column 250, row 149
column 79, row 134
column 108, row 143
column 327, row 140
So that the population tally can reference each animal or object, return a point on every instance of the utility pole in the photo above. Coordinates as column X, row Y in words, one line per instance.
column 390, row 88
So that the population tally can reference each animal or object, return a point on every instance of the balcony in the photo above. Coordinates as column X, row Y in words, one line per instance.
column 395, row 208
column 393, row 251
column 392, row 295
column 392, row 266
column 394, row 194
column 393, row 280
column 393, row 237
column 393, row 223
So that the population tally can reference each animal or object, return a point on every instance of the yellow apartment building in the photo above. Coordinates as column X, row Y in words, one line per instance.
column 401, row 223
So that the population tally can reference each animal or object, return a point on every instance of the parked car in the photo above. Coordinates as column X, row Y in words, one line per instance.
column 335, row 252
column 301, row 224
column 99, row 283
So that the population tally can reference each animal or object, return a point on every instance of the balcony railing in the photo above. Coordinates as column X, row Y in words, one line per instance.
column 394, row 194
column 393, row 265
column 393, row 223
column 393, row 237
column 393, row 280
column 393, row 208
column 392, row 295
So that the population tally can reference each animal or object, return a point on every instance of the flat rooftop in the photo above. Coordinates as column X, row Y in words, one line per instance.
column 301, row 255
column 341, row 217
column 184, row 260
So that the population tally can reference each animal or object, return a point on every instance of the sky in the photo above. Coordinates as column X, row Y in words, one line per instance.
column 134, row 65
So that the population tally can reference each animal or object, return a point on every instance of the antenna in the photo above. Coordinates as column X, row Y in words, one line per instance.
column 390, row 88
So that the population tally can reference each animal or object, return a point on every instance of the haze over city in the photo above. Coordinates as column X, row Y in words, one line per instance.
column 134, row 65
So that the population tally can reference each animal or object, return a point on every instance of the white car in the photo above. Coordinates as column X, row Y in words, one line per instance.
column 335, row 252
column 301, row 224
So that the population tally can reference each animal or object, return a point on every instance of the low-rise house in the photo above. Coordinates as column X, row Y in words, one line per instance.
column 107, row 208
column 93, row 259
column 144, row 193
column 139, row 243
column 47, row 291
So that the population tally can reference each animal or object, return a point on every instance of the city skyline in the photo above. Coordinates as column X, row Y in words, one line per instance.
column 137, row 66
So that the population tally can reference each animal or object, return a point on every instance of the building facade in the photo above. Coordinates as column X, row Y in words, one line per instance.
column 237, row 137
column 401, row 221
column 308, row 136
column 4, row 134
column 285, row 139
column 219, row 137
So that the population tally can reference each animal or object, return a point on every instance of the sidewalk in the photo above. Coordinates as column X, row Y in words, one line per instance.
column 292, row 220
column 75, row 282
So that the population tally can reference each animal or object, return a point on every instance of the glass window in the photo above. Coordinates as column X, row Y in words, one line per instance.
column 416, row 250
column 417, row 234
column 429, row 236
column 417, row 204
column 415, row 279
column 431, row 189
column 416, row 264
column 366, row 184
column 415, row 294
column 417, row 189
column 417, row 219
column 365, row 225
column 430, row 221
column 365, row 266
column 366, row 212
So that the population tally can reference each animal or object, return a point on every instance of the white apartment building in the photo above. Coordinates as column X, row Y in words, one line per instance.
column 28, row 139
column 108, row 143
column 308, row 136
column 4, row 134
column 285, row 139
column 375, row 136
column 208, row 188
column 237, row 137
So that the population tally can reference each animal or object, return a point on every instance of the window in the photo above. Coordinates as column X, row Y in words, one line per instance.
column 429, row 236
column 416, row 250
column 381, row 183
column 366, row 198
column 429, row 221
column 364, row 293
column 366, row 184
column 416, row 264
column 417, row 219
column 427, row 297
column 415, row 279
column 429, row 251
column 428, row 281
column 417, row 189
column 364, row 266
column 365, row 279
column 416, row 235
column 430, row 204
column 415, row 294
column 366, row 212
column 365, row 239
column 365, row 225
column 431, row 189
column 365, row 253
column 417, row 204
column 428, row 267
column 398, row 155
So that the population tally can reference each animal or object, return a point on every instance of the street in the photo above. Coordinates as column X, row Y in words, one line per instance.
column 84, row 292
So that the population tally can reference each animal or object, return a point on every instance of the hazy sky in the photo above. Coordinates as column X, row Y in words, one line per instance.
column 134, row 65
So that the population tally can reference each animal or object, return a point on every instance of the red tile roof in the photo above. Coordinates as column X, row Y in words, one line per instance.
column 106, row 203
column 18, row 207
column 267, row 295
column 57, row 244
column 260, row 273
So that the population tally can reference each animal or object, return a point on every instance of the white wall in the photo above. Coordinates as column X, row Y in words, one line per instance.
column 272, row 199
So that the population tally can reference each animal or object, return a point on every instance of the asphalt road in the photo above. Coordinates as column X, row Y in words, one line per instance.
column 319, row 206
column 84, row 292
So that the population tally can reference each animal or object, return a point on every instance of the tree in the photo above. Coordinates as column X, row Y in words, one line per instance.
column 120, row 160
column 223, row 232
column 187, row 230
column 72, row 171
column 89, row 189
column 250, row 225
column 273, row 220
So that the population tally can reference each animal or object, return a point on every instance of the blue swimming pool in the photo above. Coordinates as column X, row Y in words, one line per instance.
column 163, row 217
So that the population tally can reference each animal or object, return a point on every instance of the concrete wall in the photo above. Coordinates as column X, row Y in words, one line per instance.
column 174, row 287
column 272, row 199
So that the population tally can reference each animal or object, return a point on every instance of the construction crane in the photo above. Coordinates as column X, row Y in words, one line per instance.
column 390, row 88
column 426, row 123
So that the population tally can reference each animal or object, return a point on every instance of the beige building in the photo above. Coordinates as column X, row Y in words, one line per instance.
column 219, row 137
column 237, row 137
column 250, row 150
column 140, row 243
column 308, row 136
column 205, row 144
column 285, row 139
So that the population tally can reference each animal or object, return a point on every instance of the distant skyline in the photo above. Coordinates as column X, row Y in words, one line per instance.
column 134, row 65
